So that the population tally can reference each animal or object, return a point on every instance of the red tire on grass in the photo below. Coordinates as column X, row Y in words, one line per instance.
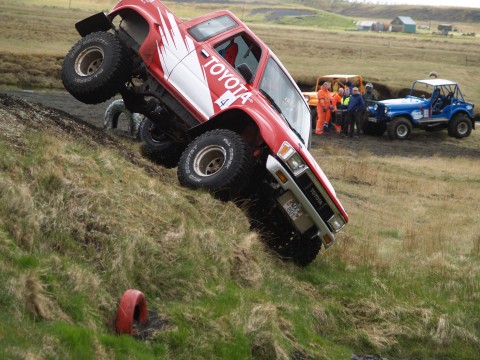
column 132, row 309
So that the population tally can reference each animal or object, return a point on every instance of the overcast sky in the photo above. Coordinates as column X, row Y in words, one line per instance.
column 456, row 3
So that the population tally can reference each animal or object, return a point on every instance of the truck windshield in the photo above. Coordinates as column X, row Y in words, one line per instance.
column 287, row 99
column 212, row 27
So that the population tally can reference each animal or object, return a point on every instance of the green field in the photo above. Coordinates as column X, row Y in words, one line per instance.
column 83, row 217
column 31, row 56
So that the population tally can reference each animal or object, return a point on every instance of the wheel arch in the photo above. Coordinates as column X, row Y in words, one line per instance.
column 133, row 23
column 235, row 120
column 404, row 116
column 463, row 112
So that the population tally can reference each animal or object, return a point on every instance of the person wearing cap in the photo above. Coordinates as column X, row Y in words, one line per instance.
column 323, row 107
column 356, row 107
column 369, row 95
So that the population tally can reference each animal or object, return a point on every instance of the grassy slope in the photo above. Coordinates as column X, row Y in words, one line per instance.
column 79, row 224
column 82, row 218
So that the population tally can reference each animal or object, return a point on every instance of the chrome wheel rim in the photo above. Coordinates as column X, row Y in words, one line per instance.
column 402, row 131
column 462, row 128
column 89, row 61
column 209, row 160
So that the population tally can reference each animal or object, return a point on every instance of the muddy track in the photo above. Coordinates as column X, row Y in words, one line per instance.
column 421, row 144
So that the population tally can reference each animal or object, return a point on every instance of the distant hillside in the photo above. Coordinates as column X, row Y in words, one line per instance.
column 425, row 13
column 356, row 10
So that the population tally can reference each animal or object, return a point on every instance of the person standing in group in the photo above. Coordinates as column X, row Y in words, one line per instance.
column 336, row 116
column 344, row 110
column 356, row 107
column 323, row 107
column 369, row 95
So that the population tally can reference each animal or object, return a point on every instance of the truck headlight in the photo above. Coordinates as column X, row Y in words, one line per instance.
column 336, row 223
column 293, row 160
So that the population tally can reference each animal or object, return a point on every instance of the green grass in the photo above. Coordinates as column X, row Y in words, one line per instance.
column 80, row 224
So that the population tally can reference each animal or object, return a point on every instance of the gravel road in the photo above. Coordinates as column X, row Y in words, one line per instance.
column 422, row 143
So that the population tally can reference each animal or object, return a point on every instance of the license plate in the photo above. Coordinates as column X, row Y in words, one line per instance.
column 293, row 209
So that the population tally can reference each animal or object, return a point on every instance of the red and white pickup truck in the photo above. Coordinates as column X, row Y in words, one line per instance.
column 211, row 87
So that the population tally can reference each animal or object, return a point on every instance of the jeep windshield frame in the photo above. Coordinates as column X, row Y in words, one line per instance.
column 425, row 88
column 287, row 99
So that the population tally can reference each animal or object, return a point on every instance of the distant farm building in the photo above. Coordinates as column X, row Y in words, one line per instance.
column 445, row 27
column 365, row 25
column 403, row 24
column 380, row 26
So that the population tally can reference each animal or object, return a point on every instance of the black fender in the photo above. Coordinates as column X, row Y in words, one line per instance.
column 97, row 22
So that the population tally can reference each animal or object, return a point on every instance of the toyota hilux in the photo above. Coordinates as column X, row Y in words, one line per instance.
column 211, row 87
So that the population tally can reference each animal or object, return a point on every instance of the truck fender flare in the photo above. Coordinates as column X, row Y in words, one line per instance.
column 406, row 116
column 235, row 120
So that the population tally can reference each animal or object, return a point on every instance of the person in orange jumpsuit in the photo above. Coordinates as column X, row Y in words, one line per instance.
column 323, row 107
column 337, row 113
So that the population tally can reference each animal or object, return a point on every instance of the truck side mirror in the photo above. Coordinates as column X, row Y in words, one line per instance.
column 245, row 71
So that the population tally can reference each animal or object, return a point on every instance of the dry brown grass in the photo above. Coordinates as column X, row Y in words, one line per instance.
column 394, row 60
column 419, row 212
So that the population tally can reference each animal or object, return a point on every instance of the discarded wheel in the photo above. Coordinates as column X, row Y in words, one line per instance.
column 131, row 309
column 117, row 113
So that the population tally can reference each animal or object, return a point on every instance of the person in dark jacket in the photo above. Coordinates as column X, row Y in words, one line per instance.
column 369, row 95
column 356, row 107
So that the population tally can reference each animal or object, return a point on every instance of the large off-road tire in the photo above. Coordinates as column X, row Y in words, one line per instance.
column 153, row 136
column 157, row 146
column 302, row 250
column 460, row 126
column 119, row 118
column 96, row 68
column 280, row 237
column 276, row 231
column 399, row 129
column 218, row 161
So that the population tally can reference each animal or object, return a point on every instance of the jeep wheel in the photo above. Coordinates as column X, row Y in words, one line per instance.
column 153, row 136
column 96, row 68
column 399, row 129
column 460, row 126
column 218, row 161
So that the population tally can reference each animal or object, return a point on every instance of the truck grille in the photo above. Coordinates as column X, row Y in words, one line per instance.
column 315, row 197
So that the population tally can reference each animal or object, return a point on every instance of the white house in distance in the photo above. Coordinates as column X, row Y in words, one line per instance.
column 400, row 24
column 364, row 25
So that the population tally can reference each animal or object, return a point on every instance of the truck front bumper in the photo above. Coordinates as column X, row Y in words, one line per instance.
column 306, row 202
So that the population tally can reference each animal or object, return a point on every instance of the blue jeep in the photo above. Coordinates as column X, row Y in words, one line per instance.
column 433, row 104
